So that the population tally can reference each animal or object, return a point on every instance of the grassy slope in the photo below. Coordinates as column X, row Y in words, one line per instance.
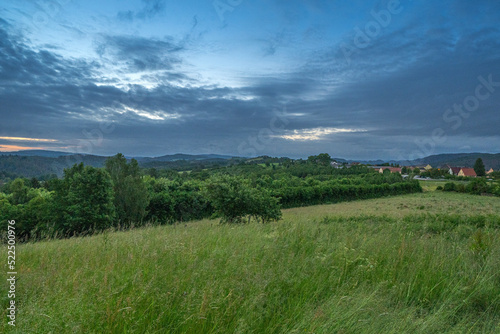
column 416, row 263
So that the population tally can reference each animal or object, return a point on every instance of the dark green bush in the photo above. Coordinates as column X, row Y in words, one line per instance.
column 461, row 188
column 477, row 186
column 450, row 186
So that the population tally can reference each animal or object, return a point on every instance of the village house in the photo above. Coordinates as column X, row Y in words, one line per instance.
column 454, row 170
column 392, row 169
column 470, row 172
column 335, row 164
column 422, row 169
column 490, row 171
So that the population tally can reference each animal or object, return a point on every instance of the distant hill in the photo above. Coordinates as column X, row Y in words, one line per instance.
column 35, row 166
column 460, row 160
column 35, row 163
column 438, row 160
column 366, row 162
column 187, row 157
column 38, row 153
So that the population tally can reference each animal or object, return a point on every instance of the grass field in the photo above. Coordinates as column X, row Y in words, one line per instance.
column 420, row 263
column 431, row 185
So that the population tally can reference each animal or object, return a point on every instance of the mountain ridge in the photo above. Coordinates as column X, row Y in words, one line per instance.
column 35, row 163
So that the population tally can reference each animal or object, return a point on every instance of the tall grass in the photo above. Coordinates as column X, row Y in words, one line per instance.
column 424, row 273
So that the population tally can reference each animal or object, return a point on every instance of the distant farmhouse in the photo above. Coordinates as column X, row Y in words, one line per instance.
column 454, row 170
column 335, row 164
column 422, row 169
column 461, row 171
column 470, row 172
column 391, row 169
column 457, row 171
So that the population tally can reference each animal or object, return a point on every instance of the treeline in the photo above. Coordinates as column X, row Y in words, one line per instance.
column 477, row 186
column 88, row 199
column 332, row 192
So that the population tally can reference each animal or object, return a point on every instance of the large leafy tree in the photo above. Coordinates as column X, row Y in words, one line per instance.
column 131, row 194
column 233, row 200
column 19, row 192
column 479, row 167
column 83, row 200
column 320, row 159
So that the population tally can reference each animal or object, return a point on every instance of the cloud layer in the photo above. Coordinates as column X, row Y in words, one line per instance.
column 287, row 79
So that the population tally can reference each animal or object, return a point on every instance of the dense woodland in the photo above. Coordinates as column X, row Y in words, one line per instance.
column 121, row 194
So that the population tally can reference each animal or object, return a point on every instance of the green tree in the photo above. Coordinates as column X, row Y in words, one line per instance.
column 496, row 189
column 153, row 172
column 83, row 200
column 477, row 186
column 479, row 167
column 34, row 183
column 450, row 186
column 37, row 215
column 19, row 192
column 320, row 159
column 263, row 206
column 435, row 173
column 233, row 199
column 161, row 208
column 131, row 194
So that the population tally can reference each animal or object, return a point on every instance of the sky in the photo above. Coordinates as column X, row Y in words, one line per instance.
column 356, row 79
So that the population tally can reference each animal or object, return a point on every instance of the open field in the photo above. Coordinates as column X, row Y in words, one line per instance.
column 400, row 206
column 420, row 263
column 431, row 185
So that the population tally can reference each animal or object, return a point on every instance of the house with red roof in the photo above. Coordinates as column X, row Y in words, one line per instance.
column 392, row 169
column 454, row 170
column 470, row 172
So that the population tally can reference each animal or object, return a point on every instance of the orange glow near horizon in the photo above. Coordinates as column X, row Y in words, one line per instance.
column 12, row 148
column 28, row 139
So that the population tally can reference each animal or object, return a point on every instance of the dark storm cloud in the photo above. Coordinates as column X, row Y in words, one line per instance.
column 404, row 81
column 41, row 91
column 282, row 88
column 397, row 89
column 140, row 54
column 22, row 65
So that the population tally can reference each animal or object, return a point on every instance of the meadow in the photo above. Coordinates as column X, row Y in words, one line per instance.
column 419, row 263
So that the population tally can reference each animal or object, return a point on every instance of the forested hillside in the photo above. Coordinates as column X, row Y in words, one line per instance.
column 36, row 166
column 89, row 199
column 47, row 164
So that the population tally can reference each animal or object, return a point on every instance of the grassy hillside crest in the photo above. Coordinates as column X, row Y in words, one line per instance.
column 422, row 263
